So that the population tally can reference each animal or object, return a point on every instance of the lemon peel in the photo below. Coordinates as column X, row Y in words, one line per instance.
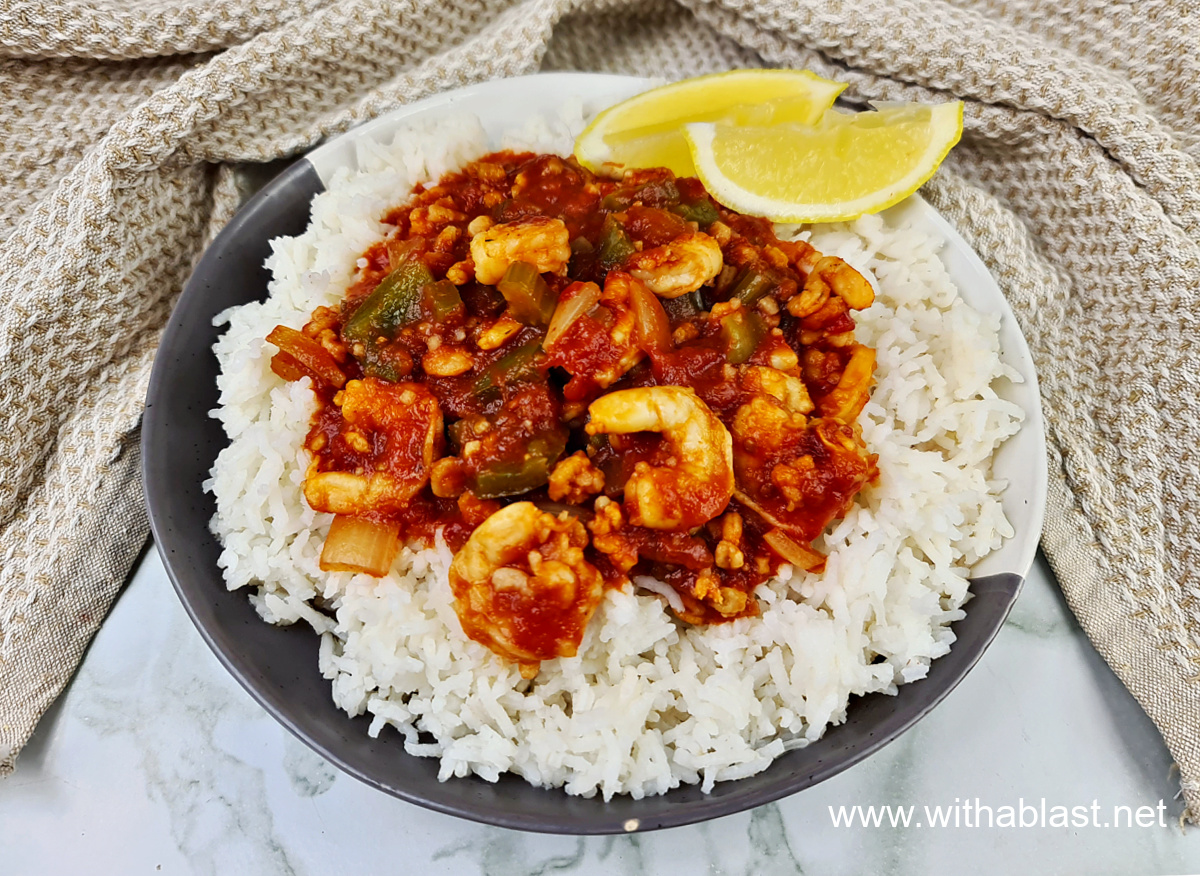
column 844, row 166
column 646, row 130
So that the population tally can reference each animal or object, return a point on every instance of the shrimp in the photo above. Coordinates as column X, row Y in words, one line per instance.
column 622, row 333
column 522, row 587
column 785, row 388
column 796, row 472
column 681, row 266
column 539, row 240
column 825, row 275
column 393, row 432
column 799, row 466
column 692, row 480
column 846, row 400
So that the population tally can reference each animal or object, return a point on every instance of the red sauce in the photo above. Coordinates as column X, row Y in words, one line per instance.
column 519, row 406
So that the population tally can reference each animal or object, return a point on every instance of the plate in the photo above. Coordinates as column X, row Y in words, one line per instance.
column 278, row 665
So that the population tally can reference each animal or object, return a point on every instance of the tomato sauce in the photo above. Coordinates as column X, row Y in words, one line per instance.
column 764, row 342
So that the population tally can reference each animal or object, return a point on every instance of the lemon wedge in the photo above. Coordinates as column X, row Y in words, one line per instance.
column 646, row 130
column 845, row 165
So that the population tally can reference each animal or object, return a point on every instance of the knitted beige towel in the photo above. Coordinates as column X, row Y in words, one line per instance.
column 1078, row 180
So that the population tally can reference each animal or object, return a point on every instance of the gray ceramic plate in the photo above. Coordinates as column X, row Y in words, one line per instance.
column 278, row 665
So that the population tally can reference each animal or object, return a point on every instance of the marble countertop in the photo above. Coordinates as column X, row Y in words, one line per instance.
column 155, row 760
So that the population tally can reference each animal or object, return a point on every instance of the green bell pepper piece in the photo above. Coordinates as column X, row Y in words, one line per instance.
column 615, row 245
column 514, row 366
column 512, row 477
column 703, row 213
column 392, row 304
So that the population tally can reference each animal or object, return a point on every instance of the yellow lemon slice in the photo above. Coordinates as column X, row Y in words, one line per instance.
column 646, row 130
column 844, row 166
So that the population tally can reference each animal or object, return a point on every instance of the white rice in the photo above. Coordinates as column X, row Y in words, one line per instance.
column 648, row 703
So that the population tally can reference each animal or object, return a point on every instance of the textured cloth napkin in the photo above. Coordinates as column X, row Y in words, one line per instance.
column 126, row 125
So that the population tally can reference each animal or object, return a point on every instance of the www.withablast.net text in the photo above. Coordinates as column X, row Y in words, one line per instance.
column 973, row 813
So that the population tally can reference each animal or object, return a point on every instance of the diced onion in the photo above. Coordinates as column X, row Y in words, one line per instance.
column 287, row 367
column 653, row 327
column 301, row 356
column 399, row 250
column 357, row 544
column 799, row 555
column 576, row 300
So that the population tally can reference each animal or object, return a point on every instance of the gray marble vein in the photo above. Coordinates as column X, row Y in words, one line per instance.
column 220, row 817
column 508, row 853
column 770, row 850
column 309, row 773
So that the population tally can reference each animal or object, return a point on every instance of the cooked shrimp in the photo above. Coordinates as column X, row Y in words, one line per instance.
column 681, row 266
column 539, row 240
column 796, row 472
column 801, row 483
column 770, row 450
column 608, row 332
column 693, row 480
column 763, row 425
column 395, row 430
column 830, row 274
column 616, row 297
column 522, row 586
column 786, row 388
column 846, row 400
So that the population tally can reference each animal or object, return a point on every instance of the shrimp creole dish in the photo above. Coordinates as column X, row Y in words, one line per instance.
column 592, row 479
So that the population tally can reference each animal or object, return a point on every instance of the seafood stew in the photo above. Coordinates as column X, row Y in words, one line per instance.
column 581, row 380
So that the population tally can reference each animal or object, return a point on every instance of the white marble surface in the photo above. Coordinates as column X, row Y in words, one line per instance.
column 155, row 760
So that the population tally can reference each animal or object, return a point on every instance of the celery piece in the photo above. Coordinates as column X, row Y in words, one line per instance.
column 442, row 300
column 529, row 298
column 742, row 331
column 752, row 286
